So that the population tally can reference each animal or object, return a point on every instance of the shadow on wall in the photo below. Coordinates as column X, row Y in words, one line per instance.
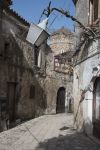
column 48, row 50
column 37, row 103
column 88, row 127
column 73, row 141
column 78, row 121
column 85, row 126
column 82, row 124
column 16, row 67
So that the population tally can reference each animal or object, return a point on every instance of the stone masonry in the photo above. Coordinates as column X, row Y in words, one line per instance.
column 60, row 41
column 22, row 94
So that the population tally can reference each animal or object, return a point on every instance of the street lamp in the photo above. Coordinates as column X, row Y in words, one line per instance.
column 37, row 33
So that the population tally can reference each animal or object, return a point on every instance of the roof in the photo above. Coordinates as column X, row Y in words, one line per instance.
column 17, row 16
column 62, row 31
column 5, row 4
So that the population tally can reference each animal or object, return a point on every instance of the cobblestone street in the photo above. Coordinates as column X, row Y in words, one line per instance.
column 50, row 132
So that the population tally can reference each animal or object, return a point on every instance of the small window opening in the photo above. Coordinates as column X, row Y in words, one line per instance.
column 36, row 54
column 69, row 60
column 6, row 49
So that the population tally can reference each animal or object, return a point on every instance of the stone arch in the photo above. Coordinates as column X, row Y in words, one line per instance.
column 60, row 100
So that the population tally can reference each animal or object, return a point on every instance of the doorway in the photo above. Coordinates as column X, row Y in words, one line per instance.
column 96, row 109
column 12, row 101
column 60, row 102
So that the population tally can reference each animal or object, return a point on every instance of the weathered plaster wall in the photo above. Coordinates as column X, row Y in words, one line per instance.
column 82, row 11
column 17, row 66
column 83, row 81
column 32, row 107
column 88, row 57
column 53, row 83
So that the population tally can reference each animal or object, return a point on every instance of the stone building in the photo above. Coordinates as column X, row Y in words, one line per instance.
column 22, row 80
column 87, row 68
column 59, row 71
column 35, row 78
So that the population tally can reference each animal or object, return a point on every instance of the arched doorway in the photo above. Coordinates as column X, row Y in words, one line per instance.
column 96, row 108
column 60, row 103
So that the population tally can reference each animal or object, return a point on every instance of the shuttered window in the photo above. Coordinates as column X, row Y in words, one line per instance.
column 93, row 11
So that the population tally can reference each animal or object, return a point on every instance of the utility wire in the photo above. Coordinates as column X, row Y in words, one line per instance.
column 53, row 21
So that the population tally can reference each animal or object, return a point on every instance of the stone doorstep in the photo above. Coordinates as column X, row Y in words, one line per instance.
column 91, row 137
column 94, row 139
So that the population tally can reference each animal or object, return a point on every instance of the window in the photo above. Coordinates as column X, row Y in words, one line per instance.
column 1, row 46
column 32, row 91
column 96, row 9
column 93, row 11
column 36, row 54
column 69, row 60
column 6, row 49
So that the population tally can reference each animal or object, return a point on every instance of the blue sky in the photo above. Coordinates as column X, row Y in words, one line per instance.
column 31, row 10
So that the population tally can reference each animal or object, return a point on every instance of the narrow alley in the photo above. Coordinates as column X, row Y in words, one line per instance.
column 49, row 132
column 50, row 75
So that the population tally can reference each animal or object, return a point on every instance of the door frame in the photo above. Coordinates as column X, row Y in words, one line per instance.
column 96, row 123
column 57, row 107
column 14, row 101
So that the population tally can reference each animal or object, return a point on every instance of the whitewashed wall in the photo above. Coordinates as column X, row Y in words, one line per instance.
column 83, row 75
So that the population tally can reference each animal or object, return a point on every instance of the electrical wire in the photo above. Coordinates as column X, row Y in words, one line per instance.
column 53, row 21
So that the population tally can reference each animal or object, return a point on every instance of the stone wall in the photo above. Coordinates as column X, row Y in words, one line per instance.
column 21, row 83
column 82, row 12
column 87, row 58
column 62, row 41
column 59, row 42
column 84, row 79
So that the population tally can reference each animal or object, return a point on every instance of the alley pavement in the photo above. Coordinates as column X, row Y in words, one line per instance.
column 49, row 132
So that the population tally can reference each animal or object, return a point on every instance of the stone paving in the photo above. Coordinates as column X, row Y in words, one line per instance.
column 50, row 132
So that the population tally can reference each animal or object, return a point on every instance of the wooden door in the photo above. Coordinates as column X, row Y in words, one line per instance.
column 12, row 101
column 60, row 103
column 96, row 109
